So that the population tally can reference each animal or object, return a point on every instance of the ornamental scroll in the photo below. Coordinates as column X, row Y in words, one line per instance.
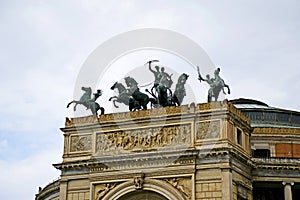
column 208, row 130
column 144, row 138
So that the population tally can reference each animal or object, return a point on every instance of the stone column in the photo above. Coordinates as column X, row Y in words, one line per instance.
column 63, row 190
column 288, row 190
column 226, row 184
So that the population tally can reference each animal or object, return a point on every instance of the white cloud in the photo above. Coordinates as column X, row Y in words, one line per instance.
column 21, row 179
column 3, row 145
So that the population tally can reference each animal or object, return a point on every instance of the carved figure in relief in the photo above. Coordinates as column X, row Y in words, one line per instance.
column 148, row 140
column 80, row 143
column 208, row 129
column 180, row 187
column 102, row 192
column 158, row 139
column 126, row 142
column 143, row 138
column 183, row 135
column 214, row 132
column 100, row 144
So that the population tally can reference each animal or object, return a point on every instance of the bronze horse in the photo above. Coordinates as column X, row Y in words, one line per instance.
column 88, row 101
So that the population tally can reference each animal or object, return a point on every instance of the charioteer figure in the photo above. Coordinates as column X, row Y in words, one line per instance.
column 157, row 73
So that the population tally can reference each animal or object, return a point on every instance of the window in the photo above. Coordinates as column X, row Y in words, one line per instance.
column 239, row 136
column 261, row 153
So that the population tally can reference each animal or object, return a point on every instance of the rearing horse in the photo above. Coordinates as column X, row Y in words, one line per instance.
column 123, row 96
column 216, row 85
column 137, row 96
column 88, row 101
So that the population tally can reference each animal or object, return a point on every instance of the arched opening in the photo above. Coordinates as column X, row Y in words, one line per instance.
column 142, row 195
column 151, row 190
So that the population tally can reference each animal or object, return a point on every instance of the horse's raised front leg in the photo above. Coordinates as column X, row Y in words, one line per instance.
column 76, row 103
column 114, row 97
column 70, row 103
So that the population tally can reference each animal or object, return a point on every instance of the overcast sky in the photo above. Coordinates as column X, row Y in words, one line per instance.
column 45, row 43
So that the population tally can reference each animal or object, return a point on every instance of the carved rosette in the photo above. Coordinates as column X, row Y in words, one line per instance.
column 182, row 184
column 208, row 130
column 81, row 143
column 150, row 138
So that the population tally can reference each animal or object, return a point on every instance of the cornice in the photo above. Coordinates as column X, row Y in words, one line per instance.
column 276, row 163
column 50, row 188
column 271, row 130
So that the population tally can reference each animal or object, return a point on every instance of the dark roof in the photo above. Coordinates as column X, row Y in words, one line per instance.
column 248, row 101
column 262, row 115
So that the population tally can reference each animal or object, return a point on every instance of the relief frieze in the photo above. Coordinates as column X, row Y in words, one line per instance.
column 208, row 130
column 144, row 138
column 81, row 143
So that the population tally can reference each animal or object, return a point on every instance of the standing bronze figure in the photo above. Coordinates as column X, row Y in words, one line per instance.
column 216, row 84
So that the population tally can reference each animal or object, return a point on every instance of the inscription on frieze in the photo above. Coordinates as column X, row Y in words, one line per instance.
column 208, row 130
column 144, row 138
column 81, row 143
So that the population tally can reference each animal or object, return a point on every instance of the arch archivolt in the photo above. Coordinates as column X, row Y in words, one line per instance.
column 158, row 186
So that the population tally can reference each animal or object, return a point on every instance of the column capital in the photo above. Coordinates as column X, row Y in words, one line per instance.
column 287, row 183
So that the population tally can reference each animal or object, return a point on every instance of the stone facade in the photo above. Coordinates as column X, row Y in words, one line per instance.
column 191, row 152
